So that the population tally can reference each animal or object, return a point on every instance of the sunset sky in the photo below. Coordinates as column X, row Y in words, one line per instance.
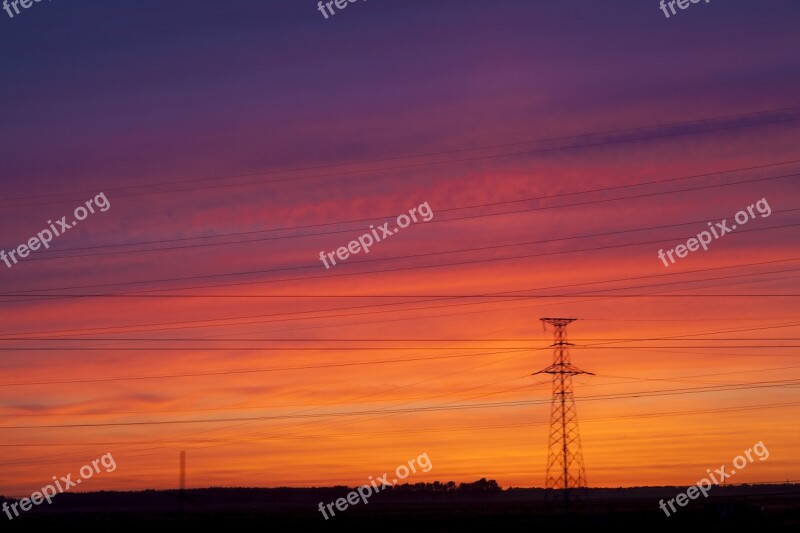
column 559, row 146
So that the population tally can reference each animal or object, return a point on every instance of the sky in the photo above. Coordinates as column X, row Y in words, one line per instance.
column 554, row 149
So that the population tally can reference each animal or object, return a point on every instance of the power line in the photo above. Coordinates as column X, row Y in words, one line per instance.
column 319, row 349
column 207, row 339
column 372, row 219
column 409, row 156
column 31, row 292
column 263, row 370
column 425, row 164
column 334, row 365
column 665, row 392
column 412, row 339
column 435, row 298
column 448, row 314
column 426, row 430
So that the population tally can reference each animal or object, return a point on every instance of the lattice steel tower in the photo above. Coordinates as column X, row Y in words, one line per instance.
column 565, row 468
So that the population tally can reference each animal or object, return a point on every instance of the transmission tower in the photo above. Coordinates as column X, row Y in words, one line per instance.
column 564, row 459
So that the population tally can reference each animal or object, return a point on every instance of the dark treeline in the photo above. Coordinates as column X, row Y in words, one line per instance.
column 480, row 486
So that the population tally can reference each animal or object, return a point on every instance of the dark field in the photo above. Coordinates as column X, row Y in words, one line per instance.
column 739, row 508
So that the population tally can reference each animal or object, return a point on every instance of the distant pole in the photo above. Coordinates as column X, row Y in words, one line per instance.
column 183, row 471
column 565, row 468
column 181, row 494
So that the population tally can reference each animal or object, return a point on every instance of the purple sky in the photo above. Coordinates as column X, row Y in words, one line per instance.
column 193, row 118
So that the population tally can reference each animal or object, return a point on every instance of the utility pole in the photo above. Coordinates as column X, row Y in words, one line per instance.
column 182, row 493
column 565, row 468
